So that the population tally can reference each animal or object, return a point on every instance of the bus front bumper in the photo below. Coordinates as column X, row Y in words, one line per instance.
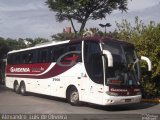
column 120, row 100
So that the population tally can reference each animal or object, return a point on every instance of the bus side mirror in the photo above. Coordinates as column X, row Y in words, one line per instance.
column 109, row 57
column 148, row 62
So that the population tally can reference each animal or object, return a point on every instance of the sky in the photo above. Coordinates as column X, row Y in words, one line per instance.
column 32, row 18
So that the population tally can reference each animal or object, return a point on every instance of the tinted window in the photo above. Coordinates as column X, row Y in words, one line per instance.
column 74, row 51
column 116, row 74
column 123, row 57
column 59, row 50
column 17, row 59
column 44, row 55
column 26, row 57
column 10, row 59
column 93, row 61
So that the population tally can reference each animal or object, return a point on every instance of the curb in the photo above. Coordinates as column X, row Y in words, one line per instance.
column 151, row 100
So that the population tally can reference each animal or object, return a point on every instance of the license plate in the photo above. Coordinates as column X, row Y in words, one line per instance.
column 127, row 100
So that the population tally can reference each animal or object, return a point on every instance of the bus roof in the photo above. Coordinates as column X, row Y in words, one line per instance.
column 101, row 39
column 95, row 38
column 47, row 44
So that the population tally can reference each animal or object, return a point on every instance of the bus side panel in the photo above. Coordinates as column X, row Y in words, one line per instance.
column 73, row 76
column 9, row 82
column 57, row 85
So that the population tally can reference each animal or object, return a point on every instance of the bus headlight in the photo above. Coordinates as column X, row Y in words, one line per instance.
column 112, row 93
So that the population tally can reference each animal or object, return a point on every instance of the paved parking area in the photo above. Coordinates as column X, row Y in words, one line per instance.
column 12, row 103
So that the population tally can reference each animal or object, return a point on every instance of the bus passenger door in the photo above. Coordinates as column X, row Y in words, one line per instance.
column 96, row 79
column 94, row 68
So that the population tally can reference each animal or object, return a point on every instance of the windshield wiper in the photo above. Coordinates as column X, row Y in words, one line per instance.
column 131, row 65
column 137, row 60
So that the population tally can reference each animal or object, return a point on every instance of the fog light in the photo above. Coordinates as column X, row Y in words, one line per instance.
column 110, row 101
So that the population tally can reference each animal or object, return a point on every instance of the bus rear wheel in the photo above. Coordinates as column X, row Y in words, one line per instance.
column 16, row 88
column 23, row 89
column 73, row 97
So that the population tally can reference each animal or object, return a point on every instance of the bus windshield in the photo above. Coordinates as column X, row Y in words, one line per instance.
column 125, row 70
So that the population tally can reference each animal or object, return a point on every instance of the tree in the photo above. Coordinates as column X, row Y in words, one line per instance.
column 71, row 36
column 63, row 36
column 32, row 42
column 84, row 10
column 4, row 48
column 13, row 44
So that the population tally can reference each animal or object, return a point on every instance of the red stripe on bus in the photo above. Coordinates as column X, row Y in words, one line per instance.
column 54, row 71
column 37, row 68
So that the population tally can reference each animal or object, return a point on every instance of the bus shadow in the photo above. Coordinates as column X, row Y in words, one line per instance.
column 117, row 108
column 48, row 97
column 138, row 106
column 3, row 88
column 113, row 108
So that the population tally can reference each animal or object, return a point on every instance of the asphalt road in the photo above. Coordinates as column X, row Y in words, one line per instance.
column 12, row 103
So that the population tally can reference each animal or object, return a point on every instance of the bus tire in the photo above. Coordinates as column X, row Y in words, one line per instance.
column 73, row 97
column 23, row 89
column 16, row 87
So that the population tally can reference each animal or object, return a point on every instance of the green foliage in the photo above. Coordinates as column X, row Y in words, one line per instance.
column 4, row 48
column 70, row 36
column 149, row 88
column 63, row 36
column 32, row 42
column 13, row 44
column 84, row 10
column 147, row 41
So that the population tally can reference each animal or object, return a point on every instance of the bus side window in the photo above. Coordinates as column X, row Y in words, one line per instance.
column 52, row 55
column 17, row 59
column 28, row 57
column 10, row 59
column 43, row 55
column 24, row 58
column 76, row 47
column 58, row 51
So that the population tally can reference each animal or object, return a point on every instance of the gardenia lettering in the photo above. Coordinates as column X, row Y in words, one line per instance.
column 12, row 69
column 118, row 90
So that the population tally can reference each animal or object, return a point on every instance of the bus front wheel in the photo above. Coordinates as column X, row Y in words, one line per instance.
column 73, row 97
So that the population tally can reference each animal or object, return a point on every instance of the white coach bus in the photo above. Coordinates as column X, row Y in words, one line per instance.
column 102, row 71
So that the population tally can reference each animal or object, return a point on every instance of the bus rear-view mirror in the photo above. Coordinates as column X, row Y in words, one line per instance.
column 109, row 57
column 144, row 58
